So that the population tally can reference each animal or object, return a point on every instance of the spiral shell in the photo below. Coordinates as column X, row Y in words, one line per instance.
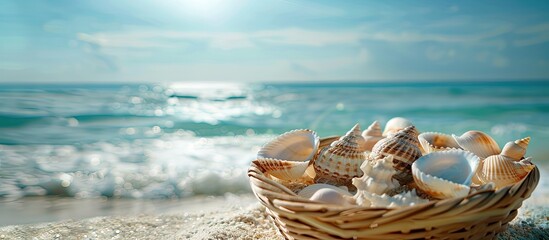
column 378, row 176
column 503, row 170
column 478, row 143
column 516, row 150
column 340, row 162
column 288, row 155
column 371, row 136
column 404, row 147
column 434, row 141
column 445, row 174
column 396, row 124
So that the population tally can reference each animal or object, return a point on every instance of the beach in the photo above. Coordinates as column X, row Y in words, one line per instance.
column 170, row 162
column 225, row 218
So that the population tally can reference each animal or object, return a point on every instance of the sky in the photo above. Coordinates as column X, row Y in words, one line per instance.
column 272, row 40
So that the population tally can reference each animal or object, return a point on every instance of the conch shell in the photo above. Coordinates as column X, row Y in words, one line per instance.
column 340, row 162
column 396, row 124
column 478, row 143
column 288, row 155
column 378, row 176
column 371, row 136
column 445, row 174
column 506, row 168
column 404, row 147
column 373, row 200
column 434, row 141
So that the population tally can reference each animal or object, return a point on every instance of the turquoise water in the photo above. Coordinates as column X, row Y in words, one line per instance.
column 179, row 140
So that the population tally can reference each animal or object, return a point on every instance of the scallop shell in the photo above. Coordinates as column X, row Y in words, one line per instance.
column 478, row 143
column 371, row 136
column 434, row 141
column 282, row 169
column 445, row 174
column 503, row 170
column 308, row 191
column 396, row 124
column 340, row 162
column 296, row 145
column 378, row 176
column 404, row 147
column 367, row 199
column 331, row 196
column 516, row 150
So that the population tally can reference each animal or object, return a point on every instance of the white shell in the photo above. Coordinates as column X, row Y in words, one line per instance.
column 378, row 176
column 516, row 150
column 310, row 190
column 445, row 174
column 340, row 162
column 479, row 143
column 367, row 199
column 288, row 156
column 296, row 145
column 434, row 141
column 331, row 196
column 371, row 136
column 396, row 124
column 503, row 171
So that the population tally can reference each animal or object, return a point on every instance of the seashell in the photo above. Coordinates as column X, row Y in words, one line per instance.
column 367, row 199
column 503, row 170
column 282, row 169
column 288, row 155
column 434, row 141
column 371, row 136
column 340, row 162
column 396, row 124
column 478, row 143
column 296, row 145
column 404, row 147
column 378, row 176
column 331, row 196
column 516, row 150
column 310, row 190
column 445, row 174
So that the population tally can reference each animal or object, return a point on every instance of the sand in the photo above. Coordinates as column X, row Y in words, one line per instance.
column 234, row 222
column 228, row 217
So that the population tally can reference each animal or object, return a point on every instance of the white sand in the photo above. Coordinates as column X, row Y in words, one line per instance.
column 230, row 217
column 235, row 222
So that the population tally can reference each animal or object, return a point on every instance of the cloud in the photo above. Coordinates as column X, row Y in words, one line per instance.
column 532, row 35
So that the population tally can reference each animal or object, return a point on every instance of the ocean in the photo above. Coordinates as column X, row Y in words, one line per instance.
column 172, row 141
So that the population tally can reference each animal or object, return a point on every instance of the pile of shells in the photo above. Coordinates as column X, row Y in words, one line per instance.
column 396, row 167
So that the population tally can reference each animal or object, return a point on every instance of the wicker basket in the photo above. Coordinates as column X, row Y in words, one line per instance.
column 480, row 215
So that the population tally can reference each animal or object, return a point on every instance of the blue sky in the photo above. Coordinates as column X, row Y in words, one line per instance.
column 272, row 40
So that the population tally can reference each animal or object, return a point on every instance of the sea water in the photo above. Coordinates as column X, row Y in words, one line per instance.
column 148, row 141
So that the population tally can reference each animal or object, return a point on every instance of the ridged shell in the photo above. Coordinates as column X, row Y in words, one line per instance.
column 288, row 155
column 296, row 145
column 373, row 200
column 331, row 196
column 340, row 162
column 434, row 141
column 371, row 136
column 404, row 147
column 478, row 143
column 378, row 176
column 396, row 124
column 503, row 171
column 282, row 169
column 516, row 149
column 445, row 174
